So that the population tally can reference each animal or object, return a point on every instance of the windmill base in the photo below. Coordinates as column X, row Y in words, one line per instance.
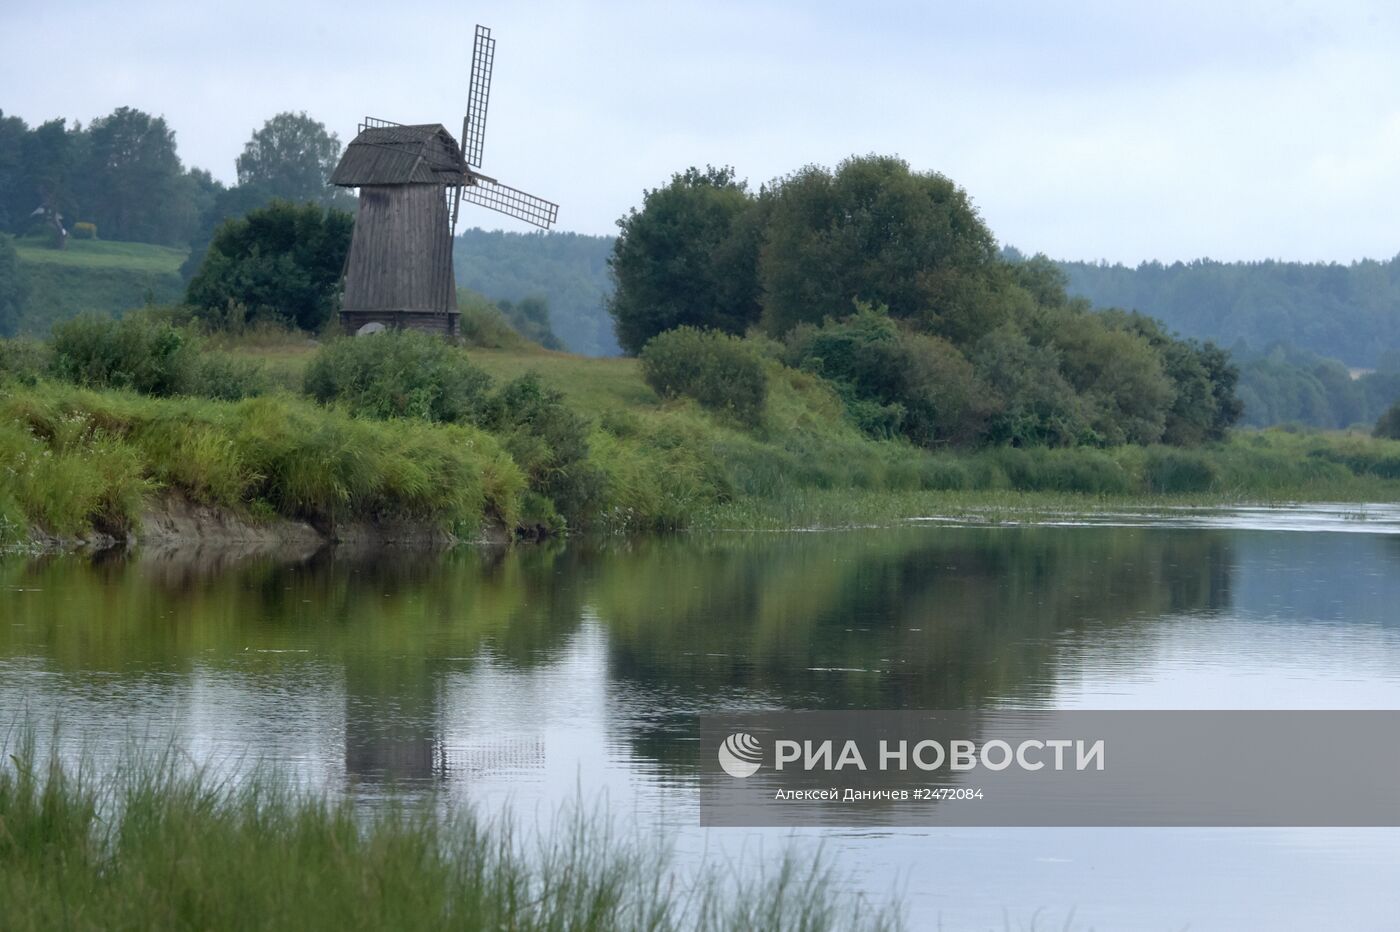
column 443, row 323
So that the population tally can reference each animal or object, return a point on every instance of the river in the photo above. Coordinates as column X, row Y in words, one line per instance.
column 519, row 680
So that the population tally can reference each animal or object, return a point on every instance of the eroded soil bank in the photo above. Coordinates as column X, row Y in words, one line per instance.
column 171, row 521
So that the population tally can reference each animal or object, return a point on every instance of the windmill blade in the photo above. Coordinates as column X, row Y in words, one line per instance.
column 478, row 96
column 511, row 201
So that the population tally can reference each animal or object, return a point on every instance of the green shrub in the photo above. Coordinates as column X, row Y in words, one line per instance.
column 549, row 442
column 226, row 377
column 894, row 381
column 137, row 352
column 398, row 373
column 1388, row 426
column 716, row 369
column 281, row 262
column 1179, row 471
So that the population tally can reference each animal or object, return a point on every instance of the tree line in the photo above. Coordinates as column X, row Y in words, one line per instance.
column 886, row 282
column 120, row 177
column 1287, row 385
column 1346, row 312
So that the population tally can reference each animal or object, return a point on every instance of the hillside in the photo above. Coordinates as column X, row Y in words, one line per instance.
column 96, row 276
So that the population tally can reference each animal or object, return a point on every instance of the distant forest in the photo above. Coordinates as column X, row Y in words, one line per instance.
column 1295, row 329
column 1346, row 312
column 568, row 270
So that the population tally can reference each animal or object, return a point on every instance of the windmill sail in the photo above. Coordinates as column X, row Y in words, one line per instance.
column 511, row 201
column 478, row 96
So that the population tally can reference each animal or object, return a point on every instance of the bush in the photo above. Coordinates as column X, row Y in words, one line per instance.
column 1179, row 471
column 895, row 381
column 279, row 262
column 1388, row 426
column 716, row 369
column 226, row 377
column 84, row 230
column 549, row 442
column 137, row 352
column 398, row 373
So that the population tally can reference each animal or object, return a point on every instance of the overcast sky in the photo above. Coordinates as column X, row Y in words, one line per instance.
column 1086, row 130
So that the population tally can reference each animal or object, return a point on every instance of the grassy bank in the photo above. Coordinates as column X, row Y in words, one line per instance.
column 79, row 460
column 93, row 276
column 163, row 847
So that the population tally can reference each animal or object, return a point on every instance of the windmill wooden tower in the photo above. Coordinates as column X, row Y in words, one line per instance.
column 412, row 181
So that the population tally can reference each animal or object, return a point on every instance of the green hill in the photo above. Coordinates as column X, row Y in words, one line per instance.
column 94, row 276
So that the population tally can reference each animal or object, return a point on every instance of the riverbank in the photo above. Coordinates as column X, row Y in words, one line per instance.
column 88, row 467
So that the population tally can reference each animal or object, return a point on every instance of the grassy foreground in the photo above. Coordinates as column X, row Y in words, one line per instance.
column 163, row 847
column 75, row 461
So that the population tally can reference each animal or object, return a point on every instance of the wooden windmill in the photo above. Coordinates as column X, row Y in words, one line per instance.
column 412, row 181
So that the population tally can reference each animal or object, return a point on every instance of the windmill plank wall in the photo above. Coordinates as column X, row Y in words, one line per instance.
column 399, row 271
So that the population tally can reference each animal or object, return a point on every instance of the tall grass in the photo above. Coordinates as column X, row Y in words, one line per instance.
column 76, row 460
column 165, row 846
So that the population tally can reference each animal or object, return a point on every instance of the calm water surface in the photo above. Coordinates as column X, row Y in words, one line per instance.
column 519, row 680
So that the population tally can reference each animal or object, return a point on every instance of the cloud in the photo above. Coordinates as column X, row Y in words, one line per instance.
column 1084, row 130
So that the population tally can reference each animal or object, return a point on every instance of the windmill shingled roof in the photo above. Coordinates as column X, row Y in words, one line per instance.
column 421, row 154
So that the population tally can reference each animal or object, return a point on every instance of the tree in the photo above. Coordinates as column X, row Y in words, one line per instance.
column 279, row 262
column 1224, row 379
column 225, row 204
column 1036, row 406
column 689, row 257
column 15, row 199
column 876, row 231
column 1388, row 426
column 1117, row 373
column 1204, row 380
column 50, row 152
column 133, row 185
column 292, row 157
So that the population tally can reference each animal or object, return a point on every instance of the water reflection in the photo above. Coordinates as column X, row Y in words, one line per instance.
column 914, row 618
column 537, row 672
